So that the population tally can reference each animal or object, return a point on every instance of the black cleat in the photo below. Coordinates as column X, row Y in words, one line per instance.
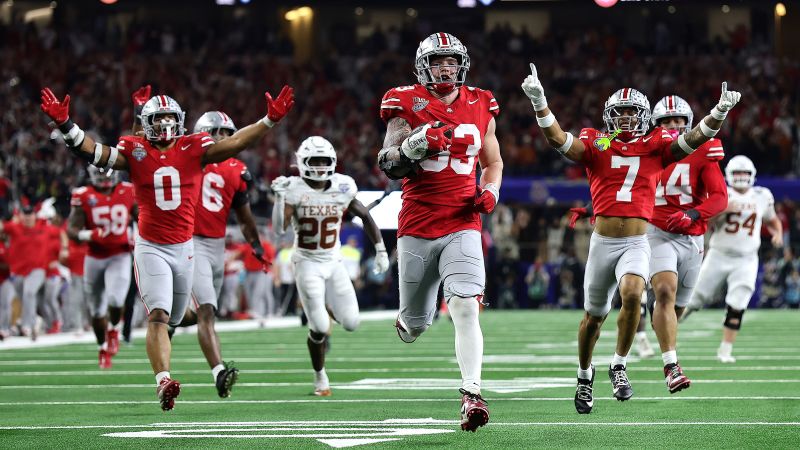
column 584, row 400
column 619, row 382
column 226, row 379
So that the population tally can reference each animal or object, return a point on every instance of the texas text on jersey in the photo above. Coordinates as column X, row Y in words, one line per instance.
column 221, row 181
column 168, row 185
column 110, row 212
column 623, row 175
column 685, row 185
column 318, row 215
column 439, row 200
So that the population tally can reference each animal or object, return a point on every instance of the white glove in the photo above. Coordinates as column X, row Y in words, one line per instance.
column 280, row 185
column 534, row 90
column 381, row 259
column 727, row 100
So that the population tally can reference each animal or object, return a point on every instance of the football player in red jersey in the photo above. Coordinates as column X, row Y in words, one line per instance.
column 100, row 216
column 623, row 166
column 436, row 133
column 166, row 168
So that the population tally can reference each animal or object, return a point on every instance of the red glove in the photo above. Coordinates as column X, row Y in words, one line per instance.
column 486, row 198
column 278, row 108
column 55, row 109
column 580, row 213
column 426, row 141
column 438, row 136
column 258, row 252
column 141, row 96
column 681, row 221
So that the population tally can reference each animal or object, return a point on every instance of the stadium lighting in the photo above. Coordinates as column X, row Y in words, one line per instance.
column 299, row 13
column 606, row 3
column 780, row 10
column 359, row 11
column 108, row 2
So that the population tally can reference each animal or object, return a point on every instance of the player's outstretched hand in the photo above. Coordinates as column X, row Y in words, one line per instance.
column 57, row 110
column 141, row 95
column 486, row 198
column 280, row 106
column 577, row 214
column 280, row 185
column 727, row 99
column 426, row 140
column 534, row 90
column 381, row 259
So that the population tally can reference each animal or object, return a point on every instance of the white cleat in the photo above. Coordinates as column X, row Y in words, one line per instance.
column 725, row 358
column 643, row 347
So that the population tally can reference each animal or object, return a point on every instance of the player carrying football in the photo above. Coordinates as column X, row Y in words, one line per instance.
column 436, row 133
column 315, row 202
column 623, row 167
column 166, row 168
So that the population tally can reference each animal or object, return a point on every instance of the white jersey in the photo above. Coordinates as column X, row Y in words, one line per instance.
column 738, row 229
column 318, row 215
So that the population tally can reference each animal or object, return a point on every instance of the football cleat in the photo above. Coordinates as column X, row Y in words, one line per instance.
column 402, row 332
column 167, row 391
column 584, row 400
column 474, row 411
column 676, row 380
column 643, row 347
column 620, row 385
column 725, row 357
column 323, row 392
column 112, row 337
column 226, row 379
column 55, row 327
column 104, row 359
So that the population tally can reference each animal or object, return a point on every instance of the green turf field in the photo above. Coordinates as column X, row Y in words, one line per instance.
column 387, row 394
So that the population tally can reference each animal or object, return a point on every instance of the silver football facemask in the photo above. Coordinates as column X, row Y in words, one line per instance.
column 102, row 179
column 740, row 173
column 441, row 44
column 673, row 106
column 213, row 123
column 162, row 130
column 311, row 151
column 615, row 119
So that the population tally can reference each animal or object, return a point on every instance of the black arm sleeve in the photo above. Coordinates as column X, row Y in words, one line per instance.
column 239, row 199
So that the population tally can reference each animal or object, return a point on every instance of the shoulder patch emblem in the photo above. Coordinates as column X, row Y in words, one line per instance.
column 419, row 104
column 92, row 201
column 344, row 187
column 138, row 152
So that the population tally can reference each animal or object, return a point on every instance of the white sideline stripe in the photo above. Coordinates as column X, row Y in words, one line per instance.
column 334, row 385
column 50, row 340
column 377, row 400
column 432, row 423
column 382, row 370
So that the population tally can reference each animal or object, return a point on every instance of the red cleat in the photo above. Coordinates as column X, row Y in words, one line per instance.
column 676, row 380
column 112, row 338
column 55, row 327
column 474, row 411
column 104, row 358
column 167, row 391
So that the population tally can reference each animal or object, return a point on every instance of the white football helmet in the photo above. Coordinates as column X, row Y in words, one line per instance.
column 316, row 147
column 740, row 163
column 441, row 44
column 673, row 106
column 627, row 98
column 212, row 122
column 165, row 130
column 102, row 179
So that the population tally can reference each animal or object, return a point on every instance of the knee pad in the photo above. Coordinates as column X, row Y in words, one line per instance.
column 733, row 318
column 317, row 338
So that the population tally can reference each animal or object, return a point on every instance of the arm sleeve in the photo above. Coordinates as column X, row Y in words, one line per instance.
column 717, row 191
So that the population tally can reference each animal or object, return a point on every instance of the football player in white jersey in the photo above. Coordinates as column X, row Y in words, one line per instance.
column 315, row 202
column 733, row 249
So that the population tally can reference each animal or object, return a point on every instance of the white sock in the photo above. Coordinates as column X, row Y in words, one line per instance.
column 585, row 374
column 104, row 346
column 469, row 341
column 619, row 360
column 725, row 347
column 321, row 379
column 670, row 357
column 216, row 370
column 160, row 376
column 641, row 335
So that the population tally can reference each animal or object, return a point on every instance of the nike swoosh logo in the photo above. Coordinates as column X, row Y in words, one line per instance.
column 473, row 102
column 433, row 138
column 184, row 147
column 191, row 257
column 647, row 138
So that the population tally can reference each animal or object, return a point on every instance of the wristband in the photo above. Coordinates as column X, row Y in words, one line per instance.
column 706, row 130
column 66, row 126
column 546, row 121
column 85, row 235
column 112, row 158
column 74, row 135
column 692, row 213
column 718, row 114
column 567, row 144
column 267, row 122
column 685, row 145
column 98, row 153
column 491, row 187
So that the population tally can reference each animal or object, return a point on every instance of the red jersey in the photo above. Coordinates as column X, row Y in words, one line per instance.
column 251, row 263
column 220, row 182
column 623, row 175
column 167, row 185
column 439, row 200
column 53, row 248
column 110, row 212
column 77, row 253
column 695, row 182
column 29, row 248
column 4, row 272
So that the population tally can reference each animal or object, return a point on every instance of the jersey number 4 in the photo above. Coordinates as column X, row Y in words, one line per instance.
column 678, row 183
column 733, row 225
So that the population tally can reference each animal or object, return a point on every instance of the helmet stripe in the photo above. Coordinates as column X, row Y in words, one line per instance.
column 163, row 101
column 444, row 41
column 625, row 94
column 670, row 102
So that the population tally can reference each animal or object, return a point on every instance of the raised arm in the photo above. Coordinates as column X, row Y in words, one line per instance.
column 563, row 142
column 374, row 233
column 81, row 145
column 139, row 97
column 707, row 128
column 280, row 209
column 249, row 135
